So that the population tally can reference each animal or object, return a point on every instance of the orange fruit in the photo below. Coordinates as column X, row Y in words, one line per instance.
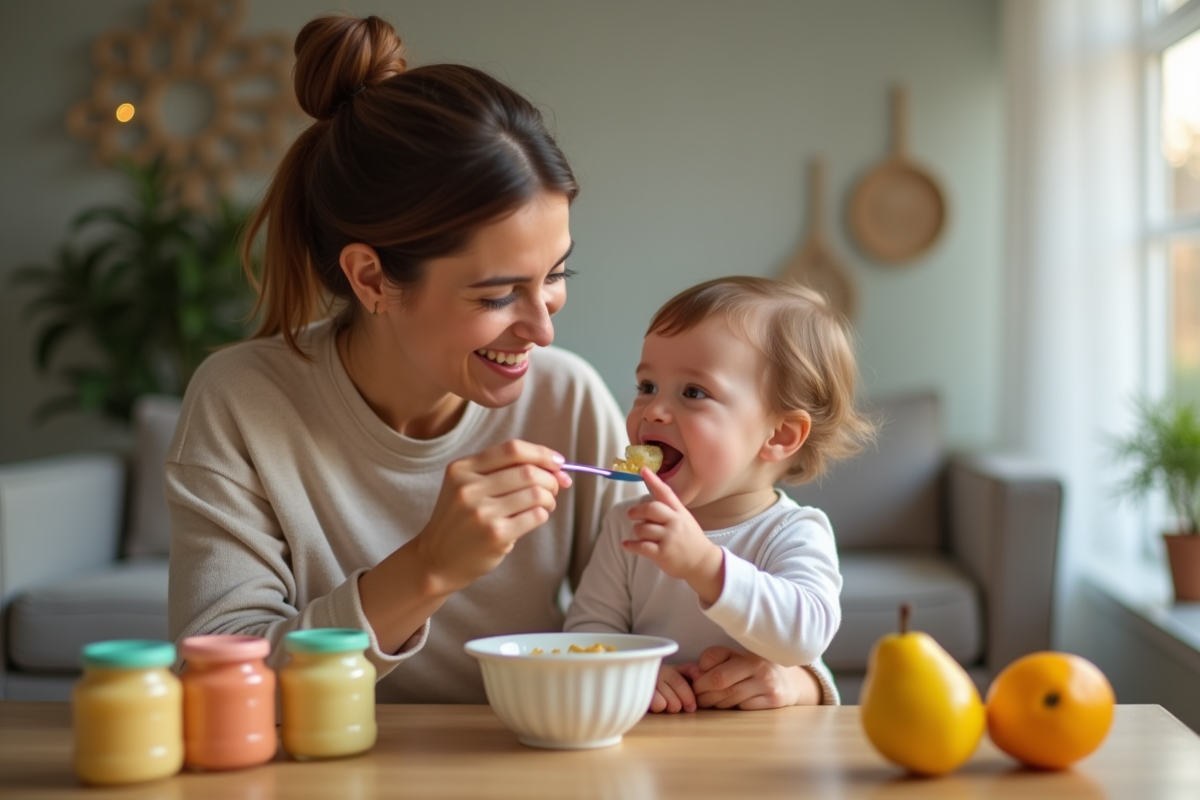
column 1049, row 709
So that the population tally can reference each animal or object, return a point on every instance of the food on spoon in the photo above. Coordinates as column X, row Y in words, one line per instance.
column 638, row 456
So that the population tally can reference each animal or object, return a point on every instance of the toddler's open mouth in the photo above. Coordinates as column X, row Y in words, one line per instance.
column 672, row 458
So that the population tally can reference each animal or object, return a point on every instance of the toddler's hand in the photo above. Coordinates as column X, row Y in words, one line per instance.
column 725, row 678
column 673, row 693
column 669, row 535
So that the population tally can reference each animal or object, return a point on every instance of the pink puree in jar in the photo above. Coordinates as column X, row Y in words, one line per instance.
column 228, row 702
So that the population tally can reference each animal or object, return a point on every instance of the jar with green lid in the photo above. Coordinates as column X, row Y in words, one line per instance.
column 328, row 694
column 127, row 713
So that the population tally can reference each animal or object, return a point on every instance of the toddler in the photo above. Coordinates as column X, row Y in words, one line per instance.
column 743, row 383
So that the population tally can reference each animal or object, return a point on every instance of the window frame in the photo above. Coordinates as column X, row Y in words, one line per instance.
column 1160, row 227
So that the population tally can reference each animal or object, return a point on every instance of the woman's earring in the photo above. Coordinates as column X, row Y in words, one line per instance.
column 375, row 310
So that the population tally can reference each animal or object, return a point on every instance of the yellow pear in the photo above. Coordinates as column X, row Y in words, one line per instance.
column 920, row 709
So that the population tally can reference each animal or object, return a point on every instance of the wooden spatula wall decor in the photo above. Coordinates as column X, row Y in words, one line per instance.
column 814, row 264
column 897, row 210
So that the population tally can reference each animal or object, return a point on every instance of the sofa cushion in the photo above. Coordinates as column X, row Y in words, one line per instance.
column 154, row 421
column 887, row 496
column 51, row 622
column 945, row 604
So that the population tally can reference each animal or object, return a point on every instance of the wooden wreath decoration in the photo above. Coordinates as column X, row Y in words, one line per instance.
column 189, row 89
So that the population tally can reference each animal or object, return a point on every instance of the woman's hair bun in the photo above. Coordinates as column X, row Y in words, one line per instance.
column 336, row 56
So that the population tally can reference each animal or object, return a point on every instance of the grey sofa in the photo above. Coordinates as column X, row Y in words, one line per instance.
column 83, row 555
column 968, row 541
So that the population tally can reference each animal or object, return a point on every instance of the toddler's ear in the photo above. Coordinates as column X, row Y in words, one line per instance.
column 791, row 431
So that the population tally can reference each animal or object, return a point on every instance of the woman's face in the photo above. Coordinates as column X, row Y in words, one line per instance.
column 476, row 316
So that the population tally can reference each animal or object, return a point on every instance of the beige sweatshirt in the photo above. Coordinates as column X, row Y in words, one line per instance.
column 283, row 486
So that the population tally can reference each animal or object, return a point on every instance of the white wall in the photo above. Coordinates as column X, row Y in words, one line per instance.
column 689, row 123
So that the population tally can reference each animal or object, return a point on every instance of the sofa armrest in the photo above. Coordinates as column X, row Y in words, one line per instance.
column 1004, row 514
column 58, row 516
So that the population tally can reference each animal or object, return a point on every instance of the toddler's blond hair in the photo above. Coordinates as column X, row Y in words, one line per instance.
column 809, row 358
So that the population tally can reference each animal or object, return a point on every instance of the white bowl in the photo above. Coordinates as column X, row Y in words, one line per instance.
column 570, row 701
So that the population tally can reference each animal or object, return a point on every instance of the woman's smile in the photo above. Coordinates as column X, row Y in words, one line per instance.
column 511, row 364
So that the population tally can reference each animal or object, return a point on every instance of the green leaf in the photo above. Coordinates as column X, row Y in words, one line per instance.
column 115, row 216
column 55, row 406
column 191, row 274
column 48, row 341
column 31, row 275
column 192, row 322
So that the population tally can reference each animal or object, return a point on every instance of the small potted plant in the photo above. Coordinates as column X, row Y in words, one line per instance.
column 1164, row 450
column 149, row 286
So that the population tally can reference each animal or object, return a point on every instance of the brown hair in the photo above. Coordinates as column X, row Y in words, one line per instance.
column 409, row 162
column 809, row 356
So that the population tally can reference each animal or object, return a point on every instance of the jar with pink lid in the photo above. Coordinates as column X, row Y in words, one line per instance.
column 228, row 702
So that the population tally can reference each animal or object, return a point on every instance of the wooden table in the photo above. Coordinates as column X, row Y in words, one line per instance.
column 465, row 752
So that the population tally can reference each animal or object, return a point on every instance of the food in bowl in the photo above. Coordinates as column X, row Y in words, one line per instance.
column 638, row 456
column 570, row 700
column 596, row 648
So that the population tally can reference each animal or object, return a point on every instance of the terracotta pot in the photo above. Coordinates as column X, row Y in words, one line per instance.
column 1183, row 554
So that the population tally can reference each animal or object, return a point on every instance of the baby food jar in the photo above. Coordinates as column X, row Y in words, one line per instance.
column 228, row 702
column 328, row 694
column 128, row 713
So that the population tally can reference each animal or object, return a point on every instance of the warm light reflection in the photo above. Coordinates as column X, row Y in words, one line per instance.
column 1185, row 338
column 1181, row 123
column 125, row 112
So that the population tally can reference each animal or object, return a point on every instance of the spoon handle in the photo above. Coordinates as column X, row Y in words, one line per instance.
column 611, row 474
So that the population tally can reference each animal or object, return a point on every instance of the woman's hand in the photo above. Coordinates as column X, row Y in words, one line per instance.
column 673, row 693
column 725, row 678
column 488, row 501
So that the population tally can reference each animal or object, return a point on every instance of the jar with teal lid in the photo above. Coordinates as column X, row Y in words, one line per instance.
column 127, row 713
column 328, row 694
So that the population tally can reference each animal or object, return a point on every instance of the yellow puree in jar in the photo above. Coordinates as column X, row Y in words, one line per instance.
column 328, row 698
column 128, row 721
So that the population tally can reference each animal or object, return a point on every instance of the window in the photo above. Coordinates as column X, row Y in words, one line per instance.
column 1172, row 38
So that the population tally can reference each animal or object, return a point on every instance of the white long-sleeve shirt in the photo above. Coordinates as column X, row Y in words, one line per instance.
column 780, row 599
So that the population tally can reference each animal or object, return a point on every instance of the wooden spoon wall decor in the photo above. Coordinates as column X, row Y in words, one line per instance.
column 814, row 264
column 897, row 210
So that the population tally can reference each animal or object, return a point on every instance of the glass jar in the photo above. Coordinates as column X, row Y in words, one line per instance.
column 228, row 702
column 127, row 713
column 328, row 690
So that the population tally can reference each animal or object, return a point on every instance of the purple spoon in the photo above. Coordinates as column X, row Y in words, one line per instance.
column 611, row 474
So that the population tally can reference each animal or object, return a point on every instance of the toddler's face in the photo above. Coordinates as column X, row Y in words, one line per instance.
column 699, row 398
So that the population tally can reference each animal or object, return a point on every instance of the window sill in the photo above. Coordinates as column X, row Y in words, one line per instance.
column 1142, row 590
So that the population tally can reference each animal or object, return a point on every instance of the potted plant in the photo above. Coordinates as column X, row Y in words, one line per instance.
column 1164, row 450
column 149, row 285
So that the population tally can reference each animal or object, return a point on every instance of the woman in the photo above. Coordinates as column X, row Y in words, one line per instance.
column 369, row 462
